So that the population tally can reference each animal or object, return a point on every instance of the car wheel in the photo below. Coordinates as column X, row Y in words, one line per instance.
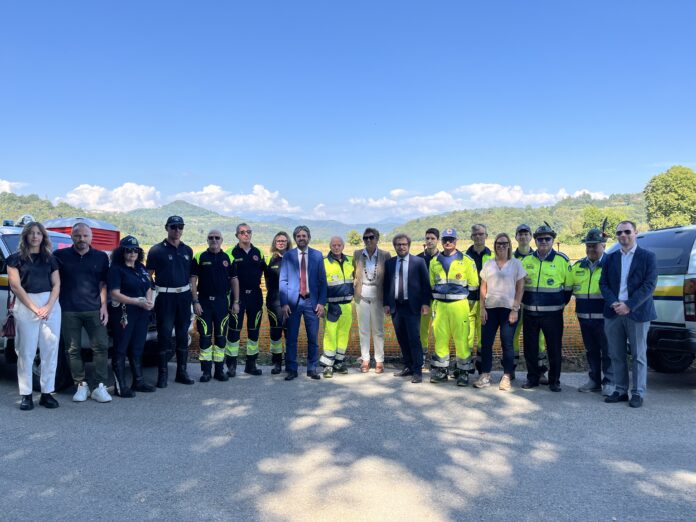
column 669, row 362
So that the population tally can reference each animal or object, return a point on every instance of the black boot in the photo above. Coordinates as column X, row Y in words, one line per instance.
column 206, row 368
column 182, row 377
column 250, row 365
column 162, row 370
column 139, row 383
column 231, row 365
column 277, row 360
column 118, row 364
column 220, row 374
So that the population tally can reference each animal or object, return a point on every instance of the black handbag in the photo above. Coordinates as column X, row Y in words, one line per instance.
column 8, row 327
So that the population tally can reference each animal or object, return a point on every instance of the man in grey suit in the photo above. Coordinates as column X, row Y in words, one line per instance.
column 628, row 279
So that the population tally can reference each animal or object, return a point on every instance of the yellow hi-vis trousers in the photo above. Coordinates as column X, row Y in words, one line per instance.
column 336, row 336
column 451, row 321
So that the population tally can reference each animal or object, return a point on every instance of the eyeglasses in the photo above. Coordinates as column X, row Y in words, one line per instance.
column 245, row 232
column 176, row 227
column 130, row 250
column 544, row 239
column 368, row 238
column 448, row 240
column 622, row 232
column 502, row 244
column 214, row 238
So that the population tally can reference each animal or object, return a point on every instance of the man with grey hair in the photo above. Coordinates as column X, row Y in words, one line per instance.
column 83, row 272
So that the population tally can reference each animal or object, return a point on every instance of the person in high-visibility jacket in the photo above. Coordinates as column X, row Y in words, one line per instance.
column 589, row 307
column 523, row 236
column 453, row 277
column 339, row 309
column 430, row 251
column 546, row 293
column 480, row 253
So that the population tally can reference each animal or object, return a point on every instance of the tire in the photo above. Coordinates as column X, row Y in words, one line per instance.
column 669, row 362
column 63, row 376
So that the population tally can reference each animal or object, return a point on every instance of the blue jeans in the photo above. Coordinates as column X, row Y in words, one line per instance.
column 619, row 330
column 498, row 317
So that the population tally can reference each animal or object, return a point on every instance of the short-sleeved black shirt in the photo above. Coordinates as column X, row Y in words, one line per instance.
column 250, row 267
column 34, row 274
column 273, row 281
column 80, row 278
column 172, row 265
column 214, row 272
column 132, row 282
column 427, row 257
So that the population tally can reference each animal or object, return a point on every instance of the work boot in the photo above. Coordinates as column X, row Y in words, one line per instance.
column 118, row 365
column 250, row 365
column 206, row 368
column 139, row 383
column 328, row 372
column 438, row 375
column 220, row 374
column 463, row 379
column 231, row 365
column 340, row 367
column 162, row 370
column 277, row 360
column 182, row 376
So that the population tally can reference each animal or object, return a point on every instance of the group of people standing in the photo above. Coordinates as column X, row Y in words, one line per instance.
column 461, row 296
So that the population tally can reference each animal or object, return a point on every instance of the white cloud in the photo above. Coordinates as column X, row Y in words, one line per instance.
column 259, row 201
column 593, row 195
column 319, row 212
column 10, row 186
column 127, row 197
column 373, row 203
column 397, row 193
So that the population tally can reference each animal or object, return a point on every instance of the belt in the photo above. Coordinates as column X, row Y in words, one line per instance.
column 172, row 290
column 306, row 296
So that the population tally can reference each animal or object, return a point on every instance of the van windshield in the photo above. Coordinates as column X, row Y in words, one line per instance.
column 672, row 249
column 58, row 241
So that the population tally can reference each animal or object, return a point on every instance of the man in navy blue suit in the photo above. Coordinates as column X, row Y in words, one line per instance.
column 303, row 292
column 406, row 296
column 628, row 279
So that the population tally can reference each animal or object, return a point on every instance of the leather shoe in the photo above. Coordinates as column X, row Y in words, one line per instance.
column 379, row 368
column 555, row 387
column 404, row 373
column 528, row 385
column 365, row 367
column 616, row 397
column 48, row 401
column 291, row 375
column 636, row 401
column 183, row 378
column 313, row 375
column 416, row 379
column 27, row 403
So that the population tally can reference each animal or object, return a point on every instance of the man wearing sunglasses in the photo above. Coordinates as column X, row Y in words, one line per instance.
column 547, row 290
column 213, row 285
column 369, row 298
column 629, row 277
column 250, row 265
column 170, row 263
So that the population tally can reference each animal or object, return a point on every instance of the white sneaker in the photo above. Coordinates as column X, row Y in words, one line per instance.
column 100, row 394
column 82, row 393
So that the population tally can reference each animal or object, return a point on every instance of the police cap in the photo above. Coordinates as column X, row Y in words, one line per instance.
column 174, row 220
column 129, row 242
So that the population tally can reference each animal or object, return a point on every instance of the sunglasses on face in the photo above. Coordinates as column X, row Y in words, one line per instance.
column 130, row 250
column 622, row 232
column 544, row 239
column 448, row 240
column 368, row 238
column 176, row 227
column 214, row 238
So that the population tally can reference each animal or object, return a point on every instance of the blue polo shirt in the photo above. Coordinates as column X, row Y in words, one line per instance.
column 172, row 265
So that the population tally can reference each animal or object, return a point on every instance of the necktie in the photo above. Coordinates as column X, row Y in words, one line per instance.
column 303, row 275
column 400, row 291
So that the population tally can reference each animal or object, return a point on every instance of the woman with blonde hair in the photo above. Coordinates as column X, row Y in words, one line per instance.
column 501, row 289
column 34, row 278
column 279, row 246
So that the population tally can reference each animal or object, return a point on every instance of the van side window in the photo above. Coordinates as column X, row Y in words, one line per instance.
column 3, row 264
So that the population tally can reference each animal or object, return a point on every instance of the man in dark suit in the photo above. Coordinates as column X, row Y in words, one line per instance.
column 628, row 279
column 303, row 292
column 406, row 296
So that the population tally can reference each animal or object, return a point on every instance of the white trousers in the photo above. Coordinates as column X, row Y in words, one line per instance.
column 33, row 332
column 371, row 320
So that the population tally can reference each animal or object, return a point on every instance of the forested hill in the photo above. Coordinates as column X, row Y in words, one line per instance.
column 570, row 217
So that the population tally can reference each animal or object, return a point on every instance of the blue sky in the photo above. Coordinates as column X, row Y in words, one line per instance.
column 350, row 110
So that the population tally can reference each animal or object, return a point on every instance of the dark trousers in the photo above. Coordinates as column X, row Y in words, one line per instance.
column 311, row 321
column 251, row 305
column 407, row 329
column 71, row 327
column 551, row 324
column 173, row 311
column 130, row 340
column 498, row 318
column 597, row 349
column 275, row 321
column 212, row 321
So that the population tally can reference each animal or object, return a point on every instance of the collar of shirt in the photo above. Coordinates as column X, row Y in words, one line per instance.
column 368, row 256
column 630, row 252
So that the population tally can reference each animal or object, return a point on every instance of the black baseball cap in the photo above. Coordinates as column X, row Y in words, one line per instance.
column 174, row 220
column 523, row 228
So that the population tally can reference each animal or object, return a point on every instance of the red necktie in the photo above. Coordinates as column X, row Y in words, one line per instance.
column 303, row 275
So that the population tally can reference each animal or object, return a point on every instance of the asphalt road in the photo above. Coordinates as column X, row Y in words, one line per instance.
column 357, row 447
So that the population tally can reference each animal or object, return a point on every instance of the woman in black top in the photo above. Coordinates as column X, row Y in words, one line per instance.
column 280, row 245
column 34, row 279
column 130, row 288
